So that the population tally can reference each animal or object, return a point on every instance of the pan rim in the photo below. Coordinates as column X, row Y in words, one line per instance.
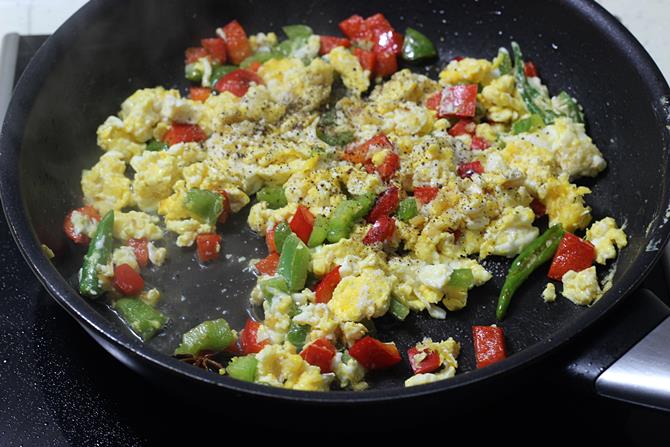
column 30, row 247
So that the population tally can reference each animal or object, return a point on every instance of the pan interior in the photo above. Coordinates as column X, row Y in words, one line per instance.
column 122, row 46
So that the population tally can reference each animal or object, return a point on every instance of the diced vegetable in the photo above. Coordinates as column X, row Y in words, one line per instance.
column 127, row 281
column 260, row 57
column 355, row 28
column 324, row 290
column 141, row 249
column 205, row 205
column 529, row 69
column 220, row 71
column 319, row 232
column 68, row 226
column 407, row 209
column 273, row 195
column 237, row 82
column 433, row 101
column 345, row 215
column 417, row 46
column 330, row 42
column 373, row 354
column 458, row 101
column 398, row 309
column 216, row 48
column 534, row 255
column 294, row 263
column 193, row 71
column 386, row 64
column 366, row 59
column 573, row 253
column 211, row 335
column 386, row 39
column 99, row 253
column 426, row 194
column 327, row 131
column 184, row 133
column 566, row 105
column 155, row 145
column 423, row 361
column 281, row 232
column 386, row 204
column 320, row 353
column 243, row 368
column 199, row 93
column 268, row 265
column 270, row 286
column 537, row 102
column 192, row 54
column 463, row 127
column 381, row 231
column 467, row 170
column 302, row 223
column 297, row 333
column 461, row 279
column 208, row 246
column 227, row 211
column 479, row 143
column 293, row 31
column 538, row 207
column 249, row 338
column 489, row 344
column 237, row 44
column 142, row 318
column 505, row 64
column 528, row 124
column 389, row 166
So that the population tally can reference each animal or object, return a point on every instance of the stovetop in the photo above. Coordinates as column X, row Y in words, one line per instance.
column 58, row 387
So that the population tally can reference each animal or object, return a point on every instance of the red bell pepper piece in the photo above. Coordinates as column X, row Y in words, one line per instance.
column 389, row 167
column 237, row 44
column 302, row 223
column 430, row 363
column 426, row 194
column 330, row 42
column 237, row 82
column 385, row 205
column 479, row 143
column 385, row 38
column 538, row 207
column 573, row 253
column 191, row 55
column 127, row 281
column 254, row 66
column 141, row 249
column 386, row 63
column 467, row 170
column 227, row 211
column 381, row 231
column 209, row 246
column 68, row 226
column 249, row 343
column 489, row 345
column 457, row 58
column 199, row 93
column 373, row 354
column 463, row 127
column 184, row 133
column 529, row 69
column 366, row 58
column 320, row 353
column 358, row 153
column 324, row 290
column 270, row 239
column 355, row 28
column 433, row 101
column 216, row 47
column 458, row 101
column 268, row 265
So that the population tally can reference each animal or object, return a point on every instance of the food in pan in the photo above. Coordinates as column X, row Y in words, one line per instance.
column 379, row 191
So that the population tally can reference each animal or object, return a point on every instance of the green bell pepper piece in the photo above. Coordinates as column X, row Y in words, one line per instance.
column 297, row 334
column 206, row 205
column 346, row 214
column 154, row 145
column 282, row 230
column 99, row 253
column 293, row 31
column 528, row 124
column 270, row 286
column 273, row 195
column 294, row 263
column 193, row 72
column 534, row 255
column 319, row 232
column 398, row 309
column 461, row 279
column 211, row 335
column 243, row 368
column 220, row 71
column 142, row 318
column 261, row 57
column 407, row 209
column 326, row 130
column 417, row 46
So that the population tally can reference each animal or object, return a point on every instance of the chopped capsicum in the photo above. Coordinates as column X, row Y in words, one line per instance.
column 273, row 195
column 99, row 253
column 294, row 263
column 243, row 368
column 205, row 205
column 211, row 335
column 142, row 318
column 417, row 46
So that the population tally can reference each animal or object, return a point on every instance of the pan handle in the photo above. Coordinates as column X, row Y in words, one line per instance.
column 627, row 356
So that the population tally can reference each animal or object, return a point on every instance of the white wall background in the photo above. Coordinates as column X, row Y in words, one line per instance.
column 647, row 19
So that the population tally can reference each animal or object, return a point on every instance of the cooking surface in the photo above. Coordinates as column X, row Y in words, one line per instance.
column 60, row 388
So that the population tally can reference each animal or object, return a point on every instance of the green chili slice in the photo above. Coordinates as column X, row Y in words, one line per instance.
column 534, row 255
column 99, row 253
column 503, row 61
column 537, row 102
column 417, row 46
column 143, row 319
column 568, row 106
column 211, row 335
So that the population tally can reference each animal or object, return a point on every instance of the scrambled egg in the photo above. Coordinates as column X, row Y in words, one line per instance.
column 605, row 235
column 549, row 293
column 581, row 288
column 362, row 297
column 279, row 365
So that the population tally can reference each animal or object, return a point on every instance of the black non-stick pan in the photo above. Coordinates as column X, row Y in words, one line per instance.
column 110, row 48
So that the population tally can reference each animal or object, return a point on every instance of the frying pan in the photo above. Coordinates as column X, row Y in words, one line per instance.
column 110, row 48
